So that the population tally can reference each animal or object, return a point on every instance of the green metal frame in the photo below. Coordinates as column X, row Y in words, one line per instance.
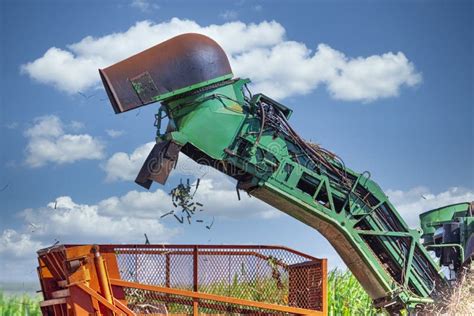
column 188, row 88
column 222, row 124
column 458, row 213
column 460, row 247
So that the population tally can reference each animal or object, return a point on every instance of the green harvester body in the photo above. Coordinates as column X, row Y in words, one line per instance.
column 219, row 123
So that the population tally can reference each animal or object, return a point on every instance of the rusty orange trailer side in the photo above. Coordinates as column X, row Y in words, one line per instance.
column 180, row 280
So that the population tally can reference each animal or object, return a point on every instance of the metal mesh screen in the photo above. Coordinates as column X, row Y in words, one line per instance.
column 259, row 273
column 148, row 302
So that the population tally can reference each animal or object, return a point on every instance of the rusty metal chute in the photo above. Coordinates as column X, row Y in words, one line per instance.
column 180, row 62
column 159, row 163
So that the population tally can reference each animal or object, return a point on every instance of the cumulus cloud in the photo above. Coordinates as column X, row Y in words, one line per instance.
column 216, row 191
column 49, row 143
column 145, row 5
column 17, row 253
column 229, row 15
column 220, row 199
column 67, row 221
column 124, row 166
column 63, row 70
column 413, row 202
column 12, row 125
column 17, row 245
column 76, row 126
column 124, row 219
column 116, row 219
column 277, row 66
column 139, row 204
column 121, row 219
column 114, row 133
column 297, row 71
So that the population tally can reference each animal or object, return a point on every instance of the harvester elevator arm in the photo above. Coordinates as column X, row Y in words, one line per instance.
column 215, row 120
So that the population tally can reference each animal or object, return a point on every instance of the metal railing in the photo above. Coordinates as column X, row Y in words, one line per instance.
column 199, row 279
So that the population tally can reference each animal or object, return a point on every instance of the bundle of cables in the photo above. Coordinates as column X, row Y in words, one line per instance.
column 272, row 118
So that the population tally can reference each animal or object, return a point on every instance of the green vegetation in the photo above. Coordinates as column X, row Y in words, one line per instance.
column 346, row 296
column 260, row 289
column 24, row 305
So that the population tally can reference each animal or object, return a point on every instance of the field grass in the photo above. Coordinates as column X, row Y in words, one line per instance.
column 23, row 305
column 345, row 297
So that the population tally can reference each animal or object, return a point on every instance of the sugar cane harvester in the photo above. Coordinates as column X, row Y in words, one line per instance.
column 214, row 119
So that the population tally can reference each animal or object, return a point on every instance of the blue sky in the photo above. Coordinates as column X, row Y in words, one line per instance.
column 387, row 85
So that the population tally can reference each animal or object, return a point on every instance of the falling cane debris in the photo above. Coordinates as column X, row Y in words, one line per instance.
column 166, row 214
column 182, row 198
column 210, row 225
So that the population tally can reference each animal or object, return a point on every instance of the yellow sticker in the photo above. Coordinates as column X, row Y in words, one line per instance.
column 235, row 107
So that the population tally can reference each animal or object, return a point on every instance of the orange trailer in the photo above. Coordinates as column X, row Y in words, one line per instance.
column 181, row 280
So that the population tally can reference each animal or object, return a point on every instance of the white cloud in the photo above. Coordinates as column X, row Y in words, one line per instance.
column 12, row 125
column 278, row 67
column 17, row 245
column 413, row 202
column 123, row 166
column 124, row 219
column 229, row 15
column 48, row 143
column 76, row 126
column 372, row 77
column 145, row 5
column 139, row 204
column 45, row 126
column 67, row 220
column 117, row 219
column 216, row 191
column 296, row 70
column 114, row 133
column 17, row 253
column 63, row 70
column 220, row 199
